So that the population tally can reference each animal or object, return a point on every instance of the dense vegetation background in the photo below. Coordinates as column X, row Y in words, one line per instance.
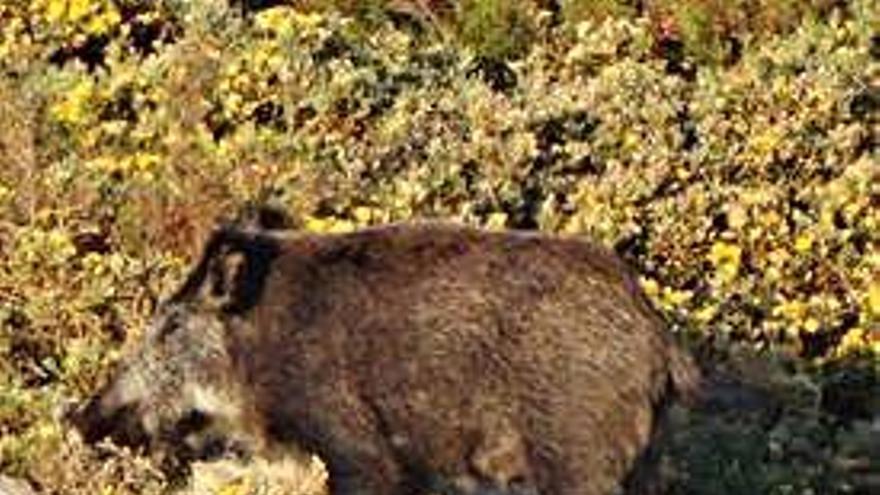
column 728, row 149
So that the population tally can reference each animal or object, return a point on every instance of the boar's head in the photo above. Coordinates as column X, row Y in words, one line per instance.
column 177, row 393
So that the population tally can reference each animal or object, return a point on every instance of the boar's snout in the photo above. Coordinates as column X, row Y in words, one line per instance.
column 104, row 415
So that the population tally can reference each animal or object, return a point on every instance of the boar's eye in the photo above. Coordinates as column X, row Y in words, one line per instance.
column 193, row 421
column 186, row 434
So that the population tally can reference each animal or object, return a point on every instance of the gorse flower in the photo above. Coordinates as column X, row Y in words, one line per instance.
column 726, row 257
column 70, row 16
column 75, row 105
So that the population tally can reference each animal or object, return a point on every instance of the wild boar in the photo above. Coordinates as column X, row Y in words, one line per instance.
column 412, row 358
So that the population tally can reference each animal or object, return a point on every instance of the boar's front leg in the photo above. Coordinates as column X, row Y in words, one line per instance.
column 358, row 474
column 347, row 435
column 359, row 465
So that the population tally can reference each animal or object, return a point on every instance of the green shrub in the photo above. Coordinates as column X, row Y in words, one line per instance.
column 494, row 28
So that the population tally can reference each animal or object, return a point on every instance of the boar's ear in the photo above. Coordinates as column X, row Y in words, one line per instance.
column 263, row 215
column 233, row 269
column 224, row 277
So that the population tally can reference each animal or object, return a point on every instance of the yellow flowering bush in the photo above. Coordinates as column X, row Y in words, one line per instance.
column 745, row 190
column 77, row 18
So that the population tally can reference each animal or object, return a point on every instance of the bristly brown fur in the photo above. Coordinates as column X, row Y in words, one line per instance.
column 436, row 357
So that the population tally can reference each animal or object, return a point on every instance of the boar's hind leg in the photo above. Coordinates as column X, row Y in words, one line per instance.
column 498, row 465
column 501, row 462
